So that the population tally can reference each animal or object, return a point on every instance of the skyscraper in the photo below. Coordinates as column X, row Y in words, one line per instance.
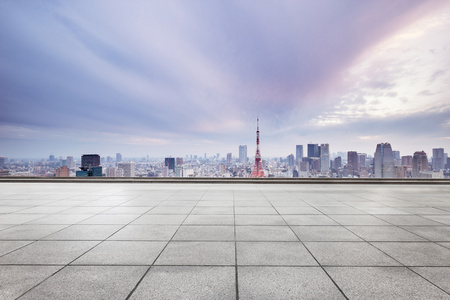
column 229, row 158
column 62, row 172
column 290, row 160
column 128, row 168
column 169, row 162
column 2, row 162
column 419, row 163
column 298, row 152
column 438, row 161
column 118, row 157
column 313, row 150
column 325, row 158
column 384, row 161
column 257, row 168
column 243, row 154
column 90, row 160
column 352, row 163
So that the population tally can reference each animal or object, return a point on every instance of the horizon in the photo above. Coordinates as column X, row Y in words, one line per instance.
column 181, row 78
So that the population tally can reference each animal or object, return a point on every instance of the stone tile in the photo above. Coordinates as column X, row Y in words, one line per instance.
column 108, row 219
column 442, row 219
column 186, row 282
column 8, row 246
column 416, row 254
column 127, row 210
column 122, row 253
column 265, row 233
column 179, row 203
column 384, row 233
column 170, row 210
column 205, row 233
column 288, row 203
column 48, row 253
column 297, row 210
column 84, row 210
column 259, row 220
column 210, row 210
column 145, row 232
column 437, row 275
column 43, row 210
column 15, row 219
column 29, row 232
column 285, row 283
column 198, row 253
column 61, row 219
column 16, row 280
column 339, row 210
column 215, row 203
column 349, row 254
column 432, row 233
column 407, row 220
column 252, row 203
column 255, row 210
column 447, row 245
column 274, row 254
column 89, row 282
column 358, row 220
column 209, row 220
column 424, row 210
column 384, row 211
column 308, row 220
column 5, row 209
column 85, row 232
column 383, row 283
column 324, row 234
column 160, row 219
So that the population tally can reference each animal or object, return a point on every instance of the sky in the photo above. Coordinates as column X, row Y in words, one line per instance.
column 170, row 78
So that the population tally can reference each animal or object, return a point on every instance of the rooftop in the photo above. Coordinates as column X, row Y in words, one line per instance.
column 224, row 241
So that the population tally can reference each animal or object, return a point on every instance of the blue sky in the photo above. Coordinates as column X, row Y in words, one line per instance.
column 190, row 77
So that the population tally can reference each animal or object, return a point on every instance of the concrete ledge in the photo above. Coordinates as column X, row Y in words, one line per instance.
column 207, row 180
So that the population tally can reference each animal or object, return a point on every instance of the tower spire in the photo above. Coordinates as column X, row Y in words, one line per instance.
column 257, row 168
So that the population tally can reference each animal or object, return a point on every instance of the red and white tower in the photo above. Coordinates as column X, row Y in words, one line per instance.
column 257, row 168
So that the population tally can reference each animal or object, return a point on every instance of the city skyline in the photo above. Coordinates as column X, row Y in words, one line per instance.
column 170, row 79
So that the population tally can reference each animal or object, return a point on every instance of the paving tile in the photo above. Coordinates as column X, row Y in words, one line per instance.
column 16, row 280
column 109, row 219
column 348, row 254
column 14, row 218
column 85, row 232
column 265, row 233
column 8, row 246
column 297, row 210
column 47, row 253
column 424, row 210
column 274, row 254
column 383, row 283
column 259, row 220
column 339, row 210
column 447, row 245
column 384, row 211
column 61, row 219
column 416, row 254
column 122, row 253
column 358, row 220
column 443, row 219
column 437, row 275
column 160, row 219
column 145, row 232
column 215, row 203
column 255, row 210
column 205, row 233
column 43, row 210
column 209, row 220
column 198, row 253
column 324, row 234
column 212, row 210
column 89, row 282
column 127, row 210
column 187, row 282
column 251, row 203
column 29, row 232
column 384, row 233
column 285, row 283
column 308, row 220
column 407, row 220
column 170, row 210
column 84, row 210
column 432, row 233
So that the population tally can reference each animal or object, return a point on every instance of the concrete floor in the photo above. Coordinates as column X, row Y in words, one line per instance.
column 224, row 241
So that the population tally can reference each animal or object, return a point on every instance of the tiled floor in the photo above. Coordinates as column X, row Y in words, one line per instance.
column 224, row 241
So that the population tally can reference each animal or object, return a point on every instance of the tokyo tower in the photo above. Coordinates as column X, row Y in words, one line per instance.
column 257, row 168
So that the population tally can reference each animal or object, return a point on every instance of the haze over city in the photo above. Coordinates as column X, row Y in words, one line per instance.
column 190, row 77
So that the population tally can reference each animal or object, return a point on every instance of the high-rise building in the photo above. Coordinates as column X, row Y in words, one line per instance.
column 179, row 161
column 397, row 158
column 118, row 157
column 257, row 168
column 2, row 162
column 298, row 152
column 170, row 163
column 419, row 163
column 352, row 163
column 229, row 158
column 129, row 168
column 338, row 162
column 243, row 154
column 70, row 162
column 384, row 161
column 362, row 157
column 62, row 172
column 90, row 160
column 407, row 160
column 325, row 158
column 51, row 158
column 438, row 161
column 290, row 160
column 313, row 150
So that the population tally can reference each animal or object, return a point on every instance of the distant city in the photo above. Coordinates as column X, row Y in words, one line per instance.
column 313, row 161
